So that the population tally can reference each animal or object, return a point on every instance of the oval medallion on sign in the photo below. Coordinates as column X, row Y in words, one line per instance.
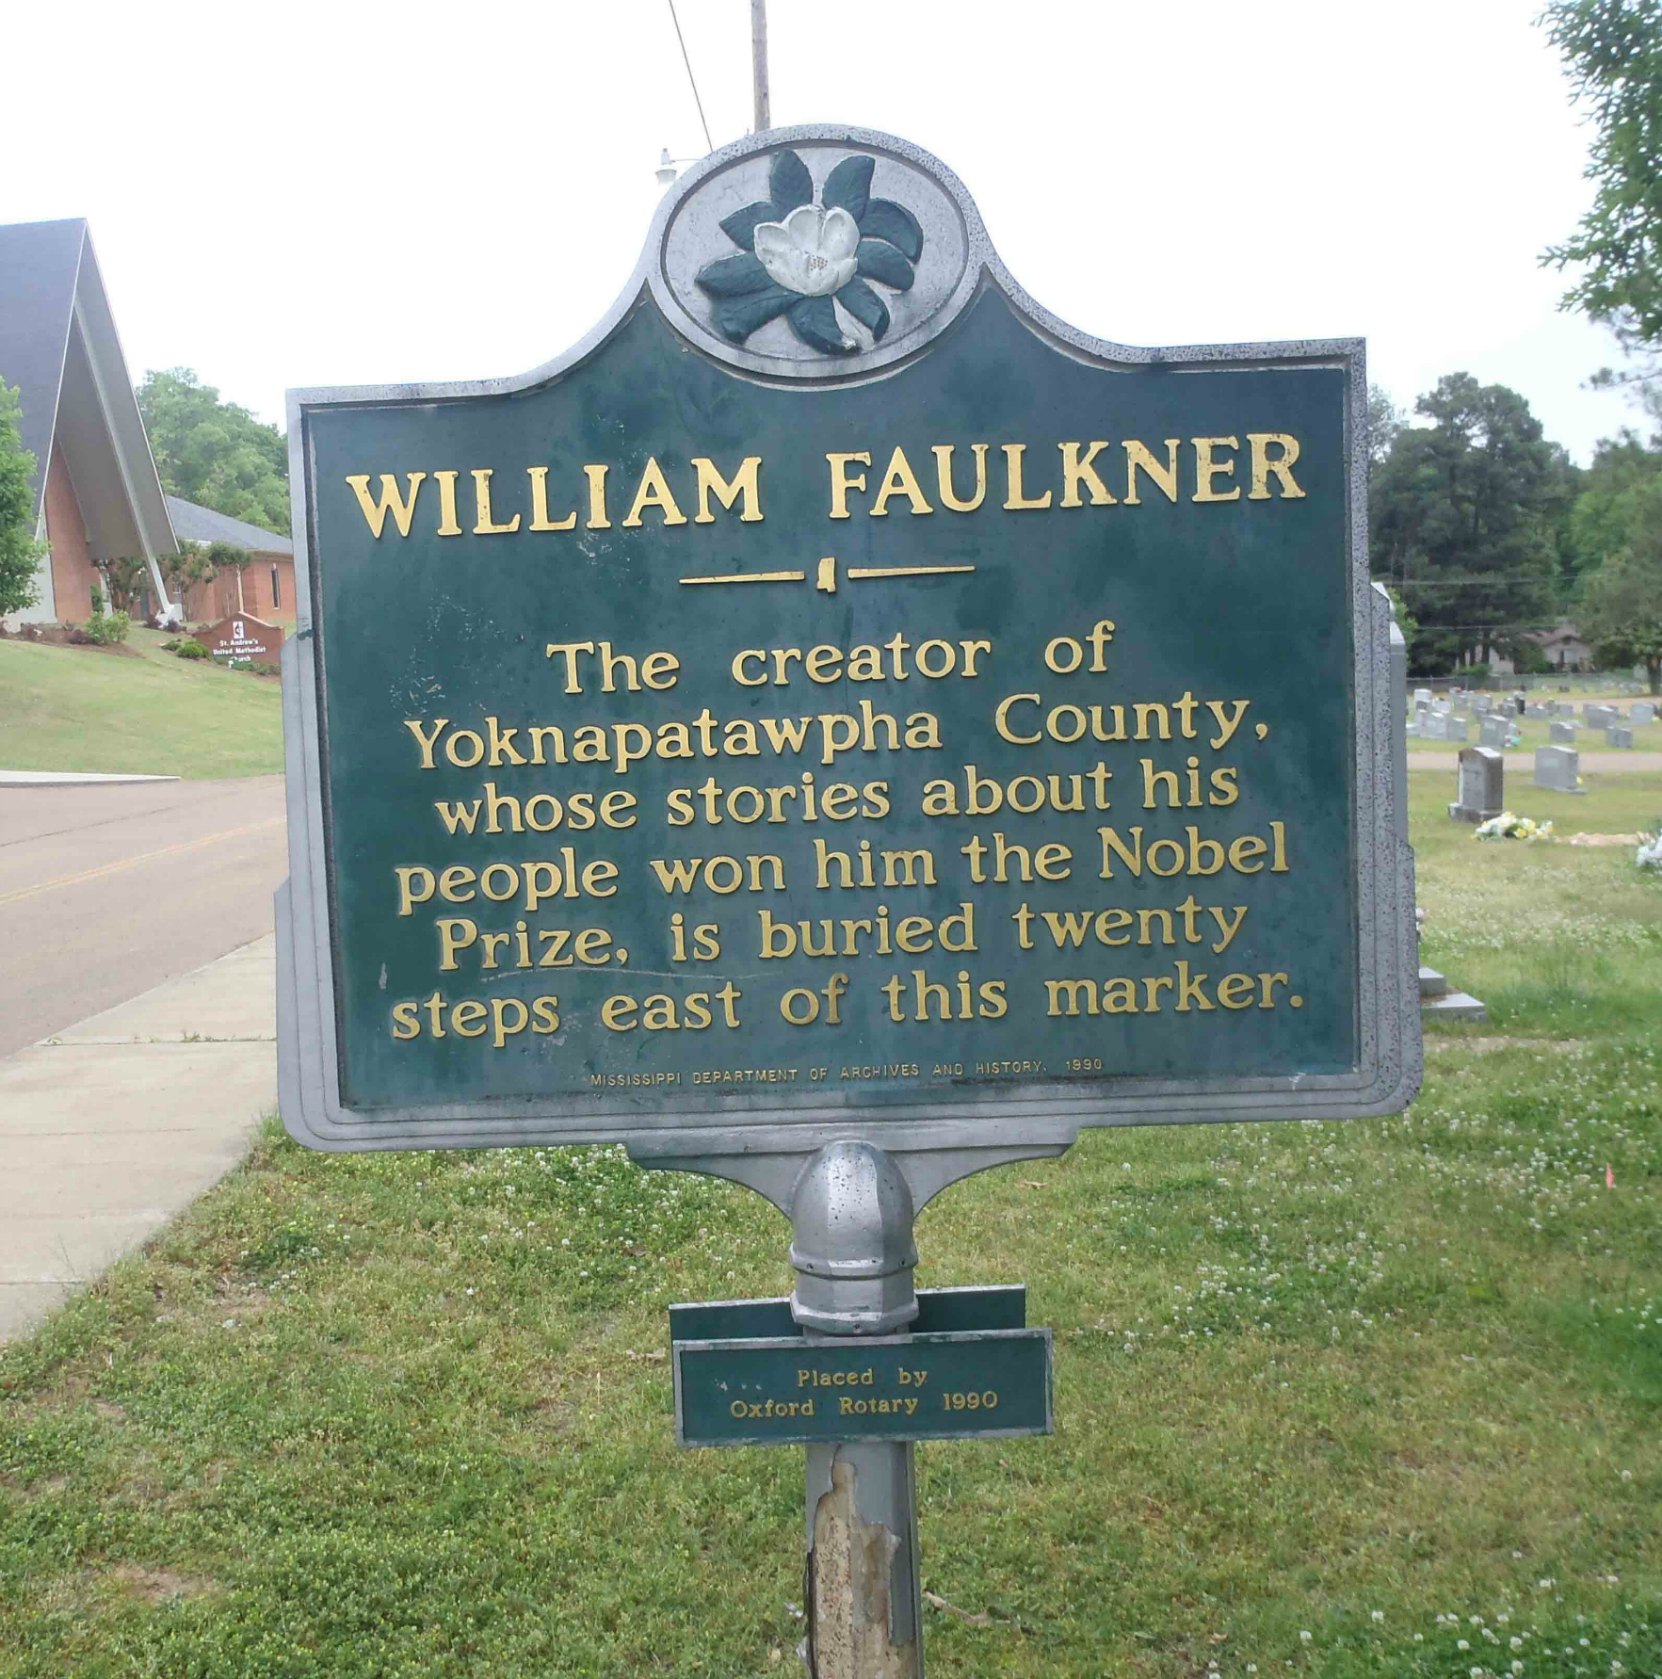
column 815, row 260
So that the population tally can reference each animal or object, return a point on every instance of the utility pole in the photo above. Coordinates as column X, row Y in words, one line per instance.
column 759, row 62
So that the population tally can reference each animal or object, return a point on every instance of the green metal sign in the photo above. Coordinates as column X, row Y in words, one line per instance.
column 839, row 687
column 966, row 1386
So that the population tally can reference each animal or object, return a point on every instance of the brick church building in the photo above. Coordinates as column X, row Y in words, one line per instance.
column 97, row 493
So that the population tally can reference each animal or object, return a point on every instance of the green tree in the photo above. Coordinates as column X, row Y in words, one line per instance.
column 1612, row 51
column 19, row 552
column 123, row 580
column 1622, row 602
column 1611, row 487
column 1467, row 517
column 215, row 453
column 185, row 568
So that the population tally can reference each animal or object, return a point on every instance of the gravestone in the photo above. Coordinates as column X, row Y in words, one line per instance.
column 1618, row 734
column 1643, row 712
column 1456, row 728
column 1557, row 769
column 1494, row 731
column 1536, row 713
column 1433, row 726
column 1480, row 787
column 1422, row 696
column 1562, row 734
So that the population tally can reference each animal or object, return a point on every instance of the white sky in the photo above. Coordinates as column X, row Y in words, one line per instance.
column 357, row 191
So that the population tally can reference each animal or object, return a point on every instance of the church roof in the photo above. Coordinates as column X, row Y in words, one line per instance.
column 202, row 524
column 39, row 264
column 59, row 347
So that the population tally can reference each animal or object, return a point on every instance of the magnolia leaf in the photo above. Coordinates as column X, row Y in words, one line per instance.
column 879, row 260
column 740, row 227
column 738, row 317
column 814, row 321
column 884, row 219
column 866, row 307
column 790, row 183
column 733, row 277
column 848, row 186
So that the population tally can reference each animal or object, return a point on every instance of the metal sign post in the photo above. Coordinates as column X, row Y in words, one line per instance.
column 834, row 729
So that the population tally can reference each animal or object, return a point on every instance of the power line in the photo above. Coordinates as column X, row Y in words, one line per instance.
column 709, row 144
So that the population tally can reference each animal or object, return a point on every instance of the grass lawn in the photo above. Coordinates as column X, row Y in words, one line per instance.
column 1376, row 1399
column 82, row 708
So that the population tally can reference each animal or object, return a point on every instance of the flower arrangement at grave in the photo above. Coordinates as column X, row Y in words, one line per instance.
column 1509, row 826
column 805, row 260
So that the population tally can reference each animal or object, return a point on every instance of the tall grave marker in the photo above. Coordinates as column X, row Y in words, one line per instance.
column 832, row 729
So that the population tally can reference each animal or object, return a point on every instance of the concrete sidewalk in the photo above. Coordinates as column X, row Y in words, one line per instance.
column 109, row 1129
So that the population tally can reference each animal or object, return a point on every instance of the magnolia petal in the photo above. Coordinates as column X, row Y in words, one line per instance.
column 733, row 276
column 884, row 219
column 814, row 321
column 740, row 226
column 839, row 235
column 848, row 186
column 879, row 260
column 789, row 183
column 866, row 307
column 738, row 317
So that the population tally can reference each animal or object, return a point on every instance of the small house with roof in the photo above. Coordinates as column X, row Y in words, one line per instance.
column 97, row 494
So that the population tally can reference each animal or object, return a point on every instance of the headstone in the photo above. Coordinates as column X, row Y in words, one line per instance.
column 1494, row 731
column 1557, row 769
column 1457, row 728
column 1598, row 716
column 1433, row 726
column 1618, row 734
column 1562, row 734
column 1642, row 712
column 1480, row 788
column 1537, row 712
column 1422, row 696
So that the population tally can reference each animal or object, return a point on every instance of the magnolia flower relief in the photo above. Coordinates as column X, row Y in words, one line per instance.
column 805, row 260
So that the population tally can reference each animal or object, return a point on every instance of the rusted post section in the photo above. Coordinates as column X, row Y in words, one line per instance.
column 854, row 1254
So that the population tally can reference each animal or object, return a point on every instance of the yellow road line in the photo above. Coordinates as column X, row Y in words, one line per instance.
column 121, row 863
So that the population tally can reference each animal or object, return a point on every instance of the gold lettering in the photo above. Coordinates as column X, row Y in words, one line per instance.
column 1164, row 478
column 483, row 525
column 540, row 520
column 375, row 512
column 744, row 482
column 1016, row 500
column 1077, row 470
column 1280, row 466
column 654, row 491
column 1206, row 469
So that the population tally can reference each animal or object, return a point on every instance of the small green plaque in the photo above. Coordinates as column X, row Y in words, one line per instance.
column 785, row 1392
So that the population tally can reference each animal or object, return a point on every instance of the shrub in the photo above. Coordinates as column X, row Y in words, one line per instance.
column 108, row 628
column 191, row 648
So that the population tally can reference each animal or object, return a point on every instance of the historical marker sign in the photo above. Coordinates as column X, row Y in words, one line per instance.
column 839, row 690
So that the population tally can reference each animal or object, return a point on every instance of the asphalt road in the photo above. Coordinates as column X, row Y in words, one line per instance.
column 106, row 891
